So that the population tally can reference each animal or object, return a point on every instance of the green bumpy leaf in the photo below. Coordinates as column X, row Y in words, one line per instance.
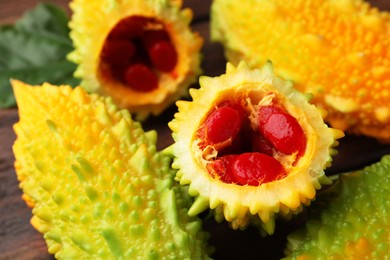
column 34, row 50
column 97, row 185
column 351, row 220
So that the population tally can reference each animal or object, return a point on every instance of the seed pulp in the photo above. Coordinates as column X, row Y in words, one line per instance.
column 137, row 50
column 246, row 154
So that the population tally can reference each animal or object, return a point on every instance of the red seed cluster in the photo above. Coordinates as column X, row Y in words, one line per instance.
column 136, row 50
column 246, row 155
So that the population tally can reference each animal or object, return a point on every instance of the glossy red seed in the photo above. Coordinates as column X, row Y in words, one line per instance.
column 285, row 133
column 163, row 56
column 221, row 168
column 256, row 168
column 117, row 52
column 223, row 124
column 140, row 78
column 266, row 111
column 241, row 142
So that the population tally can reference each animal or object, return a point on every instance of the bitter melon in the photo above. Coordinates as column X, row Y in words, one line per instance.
column 142, row 53
column 250, row 146
column 98, row 188
column 338, row 50
column 350, row 220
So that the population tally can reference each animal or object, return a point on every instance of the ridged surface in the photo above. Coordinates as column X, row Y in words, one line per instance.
column 351, row 220
column 338, row 50
column 98, row 188
column 240, row 204
column 93, row 20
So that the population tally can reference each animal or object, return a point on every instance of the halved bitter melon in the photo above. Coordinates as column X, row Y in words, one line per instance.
column 98, row 188
column 250, row 146
column 338, row 50
column 350, row 220
column 142, row 53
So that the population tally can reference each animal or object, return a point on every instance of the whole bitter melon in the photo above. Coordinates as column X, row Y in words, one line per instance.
column 250, row 146
column 97, row 186
column 350, row 220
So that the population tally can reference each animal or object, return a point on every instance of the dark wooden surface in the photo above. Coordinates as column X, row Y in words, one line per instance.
column 18, row 240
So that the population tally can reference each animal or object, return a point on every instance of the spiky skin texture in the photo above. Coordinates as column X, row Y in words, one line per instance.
column 240, row 204
column 338, row 50
column 351, row 220
column 98, row 188
column 93, row 20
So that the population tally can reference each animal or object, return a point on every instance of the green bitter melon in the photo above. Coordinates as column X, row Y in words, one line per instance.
column 350, row 220
column 98, row 188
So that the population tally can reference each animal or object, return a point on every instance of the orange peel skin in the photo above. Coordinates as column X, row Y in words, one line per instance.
column 338, row 50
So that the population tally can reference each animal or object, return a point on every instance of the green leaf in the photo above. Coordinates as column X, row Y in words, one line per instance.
column 34, row 50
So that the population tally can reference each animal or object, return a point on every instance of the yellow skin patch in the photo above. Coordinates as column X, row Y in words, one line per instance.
column 338, row 50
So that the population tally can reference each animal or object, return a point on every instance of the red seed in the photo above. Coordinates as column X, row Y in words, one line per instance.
column 221, row 168
column 256, row 168
column 285, row 133
column 117, row 52
column 241, row 142
column 163, row 56
column 239, row 108
column 222, row 125
column 266, row 111
column 140, row 78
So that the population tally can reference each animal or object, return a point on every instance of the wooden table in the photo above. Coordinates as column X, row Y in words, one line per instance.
column 18, row 240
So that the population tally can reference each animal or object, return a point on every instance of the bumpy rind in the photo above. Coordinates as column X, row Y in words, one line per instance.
column 338, row 50
column 93, row 20
column 351, row 220
column 98, row 188
column 240, row 204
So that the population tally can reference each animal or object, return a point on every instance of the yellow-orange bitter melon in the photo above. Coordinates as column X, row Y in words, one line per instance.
column 142, row 53
column 338, row 50
column 250, row 146
column 97, row 186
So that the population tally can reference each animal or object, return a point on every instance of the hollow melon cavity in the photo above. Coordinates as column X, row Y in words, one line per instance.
column 350, row 220
column 203, row 161
column 97, row 186
column 141, row 53
column 338, row 50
